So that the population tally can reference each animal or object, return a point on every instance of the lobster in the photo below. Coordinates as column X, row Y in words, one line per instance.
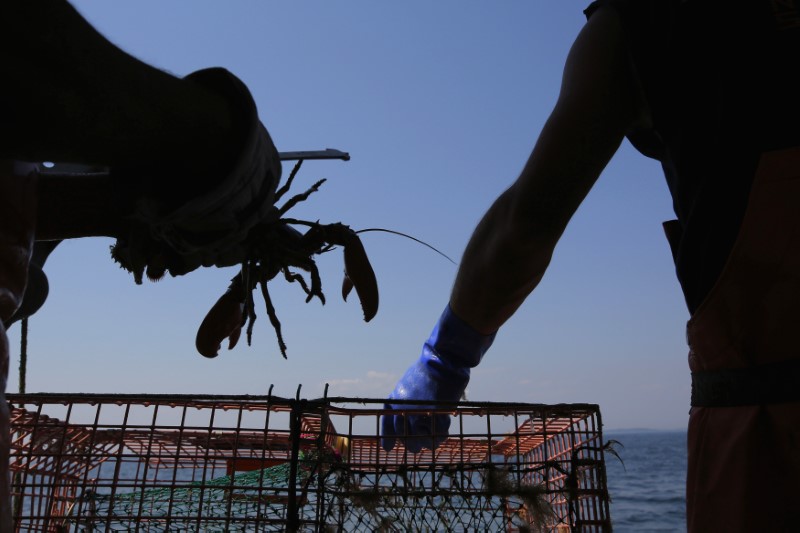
column 276, row 247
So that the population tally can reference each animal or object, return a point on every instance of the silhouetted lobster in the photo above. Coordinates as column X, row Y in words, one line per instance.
column 275, row 247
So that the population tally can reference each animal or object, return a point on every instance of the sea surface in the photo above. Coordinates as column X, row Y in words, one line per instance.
column 648, row 491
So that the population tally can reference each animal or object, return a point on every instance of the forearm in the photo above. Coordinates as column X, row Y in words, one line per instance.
column 72, row 206
column 500, row 267
column 511, row 248
column 70, row 95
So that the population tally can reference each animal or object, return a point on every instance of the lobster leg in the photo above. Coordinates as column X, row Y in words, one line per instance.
column 250, row 313
column 273, row 318
column 286, row 186
column 292, row 277
column 302, row 197
column 307, row 263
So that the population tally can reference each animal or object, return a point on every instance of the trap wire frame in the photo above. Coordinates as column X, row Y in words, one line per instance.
column 113, row 462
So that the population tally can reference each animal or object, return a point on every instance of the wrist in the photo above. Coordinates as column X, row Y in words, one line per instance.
column 457, row 343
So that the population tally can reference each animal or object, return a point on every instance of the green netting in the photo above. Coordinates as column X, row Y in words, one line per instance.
column 329, row 495
column 461, row 500
column 227, row 503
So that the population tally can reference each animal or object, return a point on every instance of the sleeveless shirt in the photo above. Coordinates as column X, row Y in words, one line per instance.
column 719, row 79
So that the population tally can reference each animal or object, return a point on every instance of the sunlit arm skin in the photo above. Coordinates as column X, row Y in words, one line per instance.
column 70, row 95
column 511, row 247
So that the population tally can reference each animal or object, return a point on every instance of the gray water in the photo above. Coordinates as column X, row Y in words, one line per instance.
column 648, row 493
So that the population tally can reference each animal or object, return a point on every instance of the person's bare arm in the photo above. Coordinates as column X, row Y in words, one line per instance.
column 512, row 245
column 70, row 95
column 76, row 206
column 65, row 205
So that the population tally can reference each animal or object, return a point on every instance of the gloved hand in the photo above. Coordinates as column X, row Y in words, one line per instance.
column 206, row 230
column 440, row 374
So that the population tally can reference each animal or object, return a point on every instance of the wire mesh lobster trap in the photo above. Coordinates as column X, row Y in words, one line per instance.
column 261, row 463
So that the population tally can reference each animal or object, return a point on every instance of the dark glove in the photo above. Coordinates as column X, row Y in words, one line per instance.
column 211, row 229
column 440, row 374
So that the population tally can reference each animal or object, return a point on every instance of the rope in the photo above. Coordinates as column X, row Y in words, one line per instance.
column 23, row 355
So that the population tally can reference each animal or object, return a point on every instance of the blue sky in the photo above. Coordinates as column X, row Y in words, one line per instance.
column 439, row 104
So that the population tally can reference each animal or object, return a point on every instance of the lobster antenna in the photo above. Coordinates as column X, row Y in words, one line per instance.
column 401, row 234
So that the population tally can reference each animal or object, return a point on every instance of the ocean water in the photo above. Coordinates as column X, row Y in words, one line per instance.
column 648, row 492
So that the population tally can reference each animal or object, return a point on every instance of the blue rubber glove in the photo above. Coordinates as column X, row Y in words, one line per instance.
column 440, row 374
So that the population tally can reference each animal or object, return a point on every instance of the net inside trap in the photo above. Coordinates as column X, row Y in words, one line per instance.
column 178, row 463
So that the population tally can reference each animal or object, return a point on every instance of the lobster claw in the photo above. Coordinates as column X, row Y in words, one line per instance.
column 224, row 320
column 358, row 273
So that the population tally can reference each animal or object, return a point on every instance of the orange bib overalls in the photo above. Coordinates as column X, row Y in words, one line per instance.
column 744, row 341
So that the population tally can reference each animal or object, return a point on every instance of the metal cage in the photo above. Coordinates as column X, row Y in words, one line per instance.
column 82, row 462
